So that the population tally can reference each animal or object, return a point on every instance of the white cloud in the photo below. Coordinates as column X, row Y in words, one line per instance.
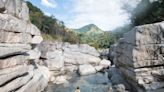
column 49, row 3
column 107, row 14
column 47, row 13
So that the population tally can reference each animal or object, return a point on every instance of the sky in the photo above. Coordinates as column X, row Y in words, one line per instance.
column 106, row 14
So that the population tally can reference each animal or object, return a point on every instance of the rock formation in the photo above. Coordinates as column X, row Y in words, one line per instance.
column 139, row 56
column 104, row 53
column 64, row 58
column 19, row 71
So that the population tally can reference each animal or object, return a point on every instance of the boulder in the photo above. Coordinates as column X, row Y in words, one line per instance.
column 139, row 57
column 105, row 63
column 60, row 80
column 86, row 69
column 55, row 64
column 99, row 68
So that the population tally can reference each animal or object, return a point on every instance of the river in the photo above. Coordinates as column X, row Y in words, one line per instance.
column 98, row 82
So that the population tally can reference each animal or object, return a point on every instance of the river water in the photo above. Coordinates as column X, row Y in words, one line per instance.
column 98, row 82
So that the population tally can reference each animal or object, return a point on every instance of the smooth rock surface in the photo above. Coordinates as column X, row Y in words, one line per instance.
column 105, row 63
column 86, row 69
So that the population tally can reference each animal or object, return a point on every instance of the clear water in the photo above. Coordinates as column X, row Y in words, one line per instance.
column 98, row 82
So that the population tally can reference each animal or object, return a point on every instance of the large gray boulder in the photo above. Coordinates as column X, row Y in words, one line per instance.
column 139, row 56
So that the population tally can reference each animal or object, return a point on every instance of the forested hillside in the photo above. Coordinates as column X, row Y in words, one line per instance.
column 51, row 28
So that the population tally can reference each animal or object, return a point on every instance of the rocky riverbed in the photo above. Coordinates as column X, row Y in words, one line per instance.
column 98, row 82
column 29, row 64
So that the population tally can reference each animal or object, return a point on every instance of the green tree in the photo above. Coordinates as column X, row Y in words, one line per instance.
column 148, row 12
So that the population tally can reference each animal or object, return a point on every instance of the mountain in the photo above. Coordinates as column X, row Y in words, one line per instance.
column 94, row 36
column 91, row 28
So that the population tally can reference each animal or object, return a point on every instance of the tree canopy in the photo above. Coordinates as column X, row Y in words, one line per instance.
column 148, row 12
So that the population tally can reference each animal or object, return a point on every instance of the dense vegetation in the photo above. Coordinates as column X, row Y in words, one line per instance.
column 148, row 12
column 51, row 28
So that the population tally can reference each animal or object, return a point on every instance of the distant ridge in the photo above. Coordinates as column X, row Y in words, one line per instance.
column 91, row 28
